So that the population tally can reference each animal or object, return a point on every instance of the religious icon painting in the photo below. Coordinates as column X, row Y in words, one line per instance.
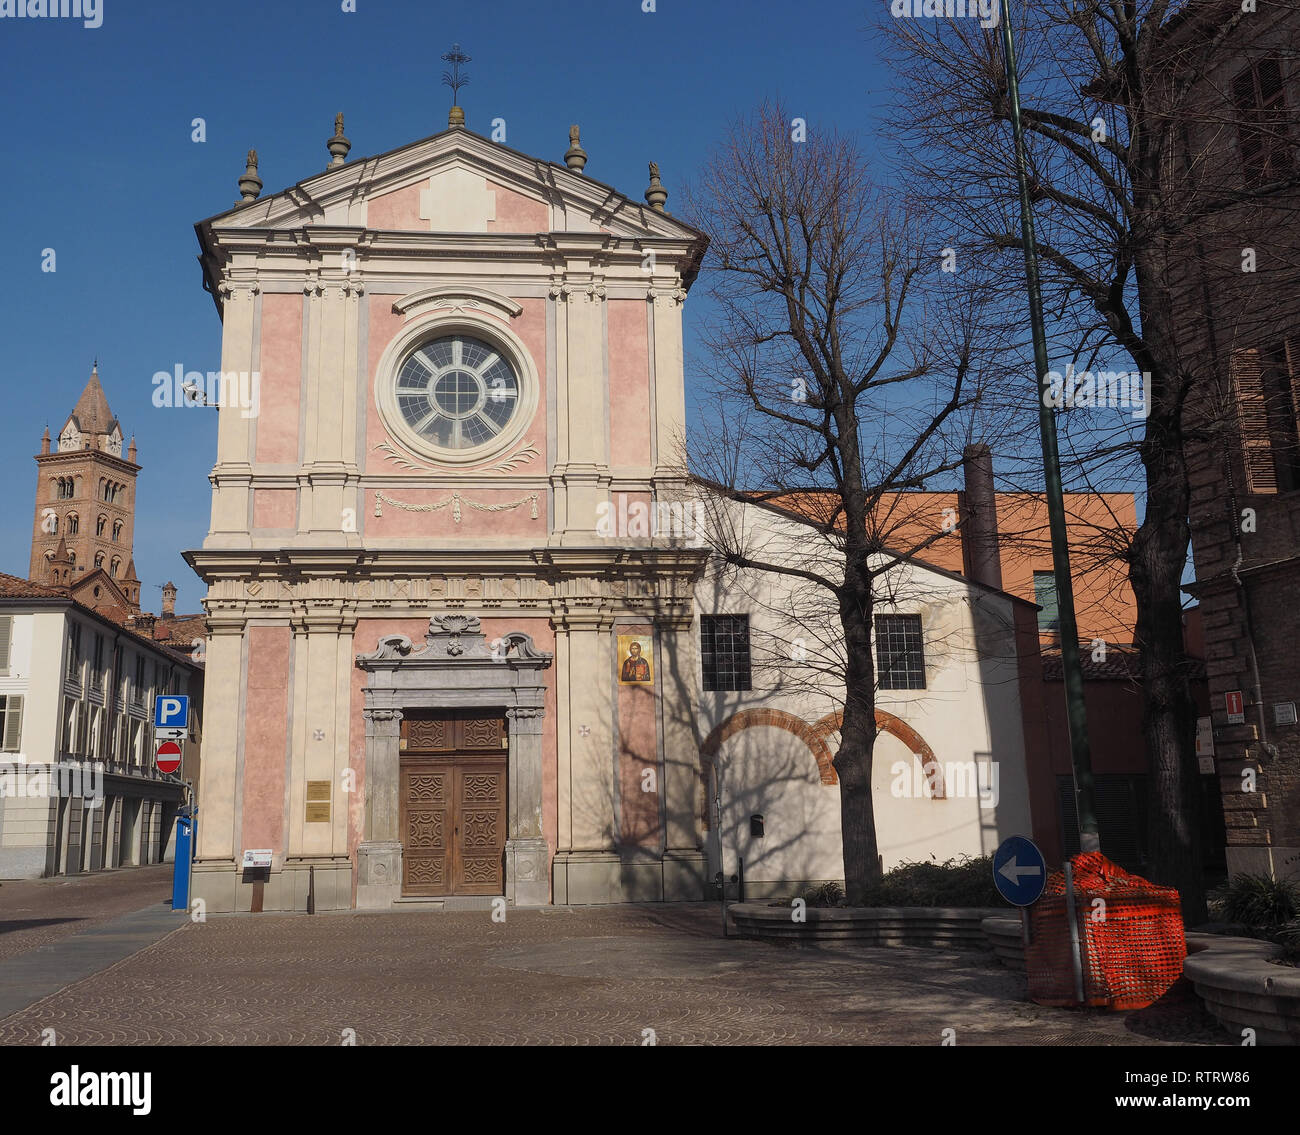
column 636, row 659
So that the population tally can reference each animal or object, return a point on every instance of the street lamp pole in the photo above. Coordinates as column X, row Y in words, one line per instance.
column 1076, row 712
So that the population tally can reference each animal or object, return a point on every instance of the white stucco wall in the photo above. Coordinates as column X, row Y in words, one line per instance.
column 969, row 714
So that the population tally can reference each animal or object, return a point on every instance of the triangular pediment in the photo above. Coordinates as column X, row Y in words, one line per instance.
column 99, row 590
column 455, row 181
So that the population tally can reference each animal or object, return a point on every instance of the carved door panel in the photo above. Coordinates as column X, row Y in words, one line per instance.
column 427, row 790
column 434, row 732
column 453, row 825
column 480, row 826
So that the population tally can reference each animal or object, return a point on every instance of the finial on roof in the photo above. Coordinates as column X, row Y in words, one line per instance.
column 130, row 450
column 338, row 146
column 575, row 157
column 655, row 193
column 45, row 441
column 250, row 185
column 455, row 80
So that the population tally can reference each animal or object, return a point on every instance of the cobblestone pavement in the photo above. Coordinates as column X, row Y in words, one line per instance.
column 600, row 975
column 35, row 912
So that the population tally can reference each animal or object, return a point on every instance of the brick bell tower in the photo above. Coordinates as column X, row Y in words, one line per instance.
column 85, row 499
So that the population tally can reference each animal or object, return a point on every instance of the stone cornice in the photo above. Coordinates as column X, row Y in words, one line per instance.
column 66, row 456
column 290, row 563
column 301, row 251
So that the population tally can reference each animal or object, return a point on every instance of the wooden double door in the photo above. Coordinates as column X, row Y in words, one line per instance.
column 453, row 793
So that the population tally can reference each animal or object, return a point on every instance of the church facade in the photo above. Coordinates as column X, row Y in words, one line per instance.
column 463, row 356
column 462, row 643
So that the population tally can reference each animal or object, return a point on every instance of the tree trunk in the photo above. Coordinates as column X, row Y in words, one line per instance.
column 857, row 742
column 1158, row 556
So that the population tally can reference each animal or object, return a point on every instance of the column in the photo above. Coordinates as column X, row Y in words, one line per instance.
column 232, row 474
column 669, row 378
column 379, row 857
column 585, row 383
column 526, row 851
column 587, row 866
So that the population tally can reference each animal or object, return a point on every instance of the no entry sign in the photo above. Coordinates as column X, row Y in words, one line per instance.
column 1235, row 704
column 168, row 758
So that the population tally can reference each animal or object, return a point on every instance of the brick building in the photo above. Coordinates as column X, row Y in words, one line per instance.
column 1235, row 277
column 81, row 664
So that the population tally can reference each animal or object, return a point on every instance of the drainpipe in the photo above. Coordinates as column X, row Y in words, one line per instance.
column 1245, row 611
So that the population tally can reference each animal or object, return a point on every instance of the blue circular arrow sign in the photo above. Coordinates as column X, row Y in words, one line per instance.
column 1019, row 871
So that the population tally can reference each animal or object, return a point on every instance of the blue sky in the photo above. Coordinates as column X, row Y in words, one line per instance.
column 100, row 166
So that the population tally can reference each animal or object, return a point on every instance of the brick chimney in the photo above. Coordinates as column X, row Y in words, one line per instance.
column 979, row 518
column 169, row 600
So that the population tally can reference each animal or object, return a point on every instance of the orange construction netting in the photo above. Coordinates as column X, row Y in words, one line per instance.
column 1130, row 938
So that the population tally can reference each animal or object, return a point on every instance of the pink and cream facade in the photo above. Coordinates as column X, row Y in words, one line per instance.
column 468, row 366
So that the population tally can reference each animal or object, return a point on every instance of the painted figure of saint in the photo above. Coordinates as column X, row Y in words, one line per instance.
column 635, row 668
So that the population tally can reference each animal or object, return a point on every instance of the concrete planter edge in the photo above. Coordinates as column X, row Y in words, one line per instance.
column 934, row 927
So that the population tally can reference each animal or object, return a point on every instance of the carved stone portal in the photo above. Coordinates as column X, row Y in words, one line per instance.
column 456, row 668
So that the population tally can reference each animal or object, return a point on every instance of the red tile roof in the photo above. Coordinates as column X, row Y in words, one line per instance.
column 182, row 629
column 14, row 587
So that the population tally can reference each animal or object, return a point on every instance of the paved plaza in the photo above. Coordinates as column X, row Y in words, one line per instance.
column 37, row 912
column 588, row 975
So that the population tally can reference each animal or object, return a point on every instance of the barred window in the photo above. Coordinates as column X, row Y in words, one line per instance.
column 724, row 650
column 900, row 656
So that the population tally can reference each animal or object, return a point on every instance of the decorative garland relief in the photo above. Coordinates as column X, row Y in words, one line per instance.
column 455, row 501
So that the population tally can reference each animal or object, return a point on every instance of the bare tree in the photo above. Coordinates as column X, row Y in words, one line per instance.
column 1118, row 161
column 847, row 369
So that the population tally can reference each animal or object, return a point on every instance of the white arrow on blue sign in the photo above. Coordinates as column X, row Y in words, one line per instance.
column 1019, row 871
column 171, row 711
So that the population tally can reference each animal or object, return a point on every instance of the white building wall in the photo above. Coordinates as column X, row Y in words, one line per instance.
column 968, row 714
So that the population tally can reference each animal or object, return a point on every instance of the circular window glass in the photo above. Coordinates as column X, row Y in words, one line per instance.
column 457, row 392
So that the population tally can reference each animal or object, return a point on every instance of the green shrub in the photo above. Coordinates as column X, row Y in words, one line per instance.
column 828, row 894
column 1289, row 939
column 1262, row 904
column 955, row 882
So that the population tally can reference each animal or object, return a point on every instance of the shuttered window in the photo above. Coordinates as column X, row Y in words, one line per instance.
column 1267, row 395
column 11, row 715
column 1282, row 388
column 1049, row 618
column 74, row 651
column 6, row 641
column 1259, row 96
column 1252, row 422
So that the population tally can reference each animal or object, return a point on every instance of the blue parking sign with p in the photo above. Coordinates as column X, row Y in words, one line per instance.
column 171, row 711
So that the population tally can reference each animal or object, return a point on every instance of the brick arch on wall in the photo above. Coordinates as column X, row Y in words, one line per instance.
column 815, row 737
column 897, row 727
